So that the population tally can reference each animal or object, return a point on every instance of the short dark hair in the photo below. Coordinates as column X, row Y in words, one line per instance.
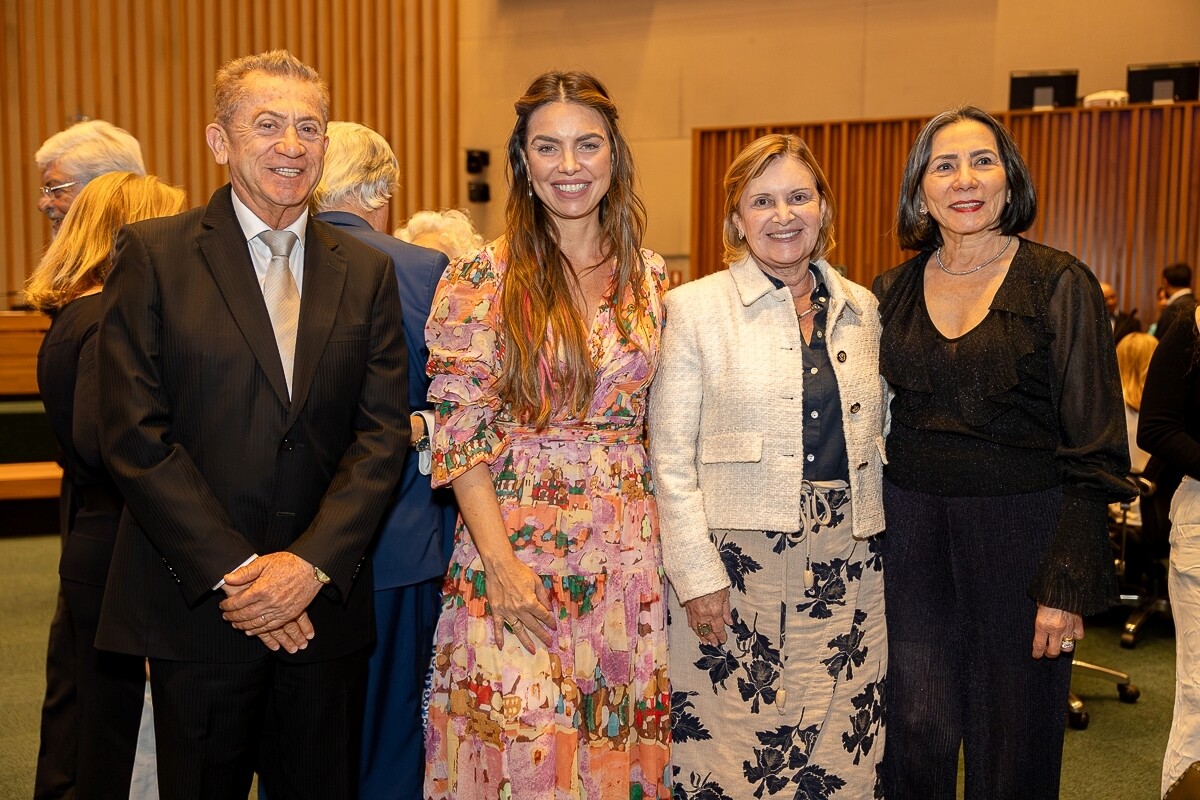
column 916, row 231
column 1178, row 276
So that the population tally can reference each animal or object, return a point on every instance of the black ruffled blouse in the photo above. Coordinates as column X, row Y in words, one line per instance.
column 1028, row 399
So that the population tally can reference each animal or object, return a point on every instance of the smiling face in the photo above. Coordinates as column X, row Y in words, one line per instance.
column 965, row 186
column 780, row 213
column 570, row 159
column 274, row 146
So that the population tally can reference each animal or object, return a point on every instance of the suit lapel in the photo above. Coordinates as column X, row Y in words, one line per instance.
column 324, row 278
column 228, row 257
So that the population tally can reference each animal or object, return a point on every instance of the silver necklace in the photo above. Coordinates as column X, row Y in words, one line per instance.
column 811, row 305
column 937, row 254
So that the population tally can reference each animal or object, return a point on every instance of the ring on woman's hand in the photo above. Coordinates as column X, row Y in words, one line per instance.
column 704, row 629
column 514, row 626
column 1068, row 643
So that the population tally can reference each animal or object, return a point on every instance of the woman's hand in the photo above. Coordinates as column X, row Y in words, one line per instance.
column 514, row 592
column 1051, row 627
column 520, row 604
column 711, row 610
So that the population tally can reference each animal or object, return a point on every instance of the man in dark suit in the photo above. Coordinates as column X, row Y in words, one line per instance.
column 411, row 553
column 1181, row 303
column 1122, row 324
column 253, row 376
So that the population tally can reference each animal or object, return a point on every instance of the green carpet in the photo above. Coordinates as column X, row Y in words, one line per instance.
column 1118, row 757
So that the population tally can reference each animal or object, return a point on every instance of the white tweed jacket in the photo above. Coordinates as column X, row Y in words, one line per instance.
column 726, row 414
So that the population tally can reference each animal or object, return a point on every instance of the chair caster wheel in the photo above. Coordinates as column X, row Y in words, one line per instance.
column 1078, row 720
column 1128, row 640
column 1128, row 692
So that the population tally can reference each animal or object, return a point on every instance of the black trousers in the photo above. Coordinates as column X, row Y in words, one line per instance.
column 297, row 725
column 97, row 750
column 57, row 751
column 960, row 636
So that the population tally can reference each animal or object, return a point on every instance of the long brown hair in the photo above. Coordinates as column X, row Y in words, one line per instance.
column 80, row 256
column 546, row 360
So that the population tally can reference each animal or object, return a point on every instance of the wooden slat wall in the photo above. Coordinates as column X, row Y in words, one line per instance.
column 1119, row 187
column 148, row 67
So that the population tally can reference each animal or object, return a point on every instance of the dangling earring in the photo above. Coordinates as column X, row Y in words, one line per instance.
column 741, row 235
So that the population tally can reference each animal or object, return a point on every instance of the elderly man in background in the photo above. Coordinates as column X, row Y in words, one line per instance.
column 1122, row 324
column 253, row 382
column 411, row 553
column 71, row 158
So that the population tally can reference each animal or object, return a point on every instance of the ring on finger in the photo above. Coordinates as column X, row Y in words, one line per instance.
column 264, row 619
column 1068, row 643
column 704, row 629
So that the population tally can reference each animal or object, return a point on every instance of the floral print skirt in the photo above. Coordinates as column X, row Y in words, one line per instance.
column 791, row 706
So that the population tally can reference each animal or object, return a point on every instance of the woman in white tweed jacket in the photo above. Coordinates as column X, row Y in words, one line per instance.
column 766, row 438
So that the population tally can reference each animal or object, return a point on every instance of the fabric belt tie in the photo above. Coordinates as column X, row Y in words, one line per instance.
column 815, row 509
column 282, row 298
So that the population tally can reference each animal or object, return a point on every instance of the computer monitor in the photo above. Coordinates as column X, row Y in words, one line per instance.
column 1043, row 90
column 1163, row 83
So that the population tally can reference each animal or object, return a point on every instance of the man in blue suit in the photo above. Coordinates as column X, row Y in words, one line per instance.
column 412, row 550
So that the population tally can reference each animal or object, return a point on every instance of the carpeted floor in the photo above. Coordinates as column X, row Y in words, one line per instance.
column 1117, row 758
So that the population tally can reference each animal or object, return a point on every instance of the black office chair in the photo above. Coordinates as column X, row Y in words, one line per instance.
column 1124, row 536
column 1077, row 715
column 1140, row 565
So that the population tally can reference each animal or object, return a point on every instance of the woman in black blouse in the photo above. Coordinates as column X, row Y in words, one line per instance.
column 1007, row 441
column 109, row 687
column 1169, row 429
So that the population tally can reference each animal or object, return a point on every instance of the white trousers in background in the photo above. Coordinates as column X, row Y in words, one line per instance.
column 1183, row 583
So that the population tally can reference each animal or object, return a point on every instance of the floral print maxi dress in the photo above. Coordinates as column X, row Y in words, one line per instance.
column 590, row 717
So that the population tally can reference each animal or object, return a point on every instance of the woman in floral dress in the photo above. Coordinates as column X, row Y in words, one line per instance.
column 550, row 657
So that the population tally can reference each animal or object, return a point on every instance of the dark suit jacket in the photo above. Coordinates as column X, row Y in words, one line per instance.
column 214, row 461
column 1125, row 324
column 1183, row 307
column 413, row 544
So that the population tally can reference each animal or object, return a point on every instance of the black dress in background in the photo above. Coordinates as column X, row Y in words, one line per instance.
column 96, row 734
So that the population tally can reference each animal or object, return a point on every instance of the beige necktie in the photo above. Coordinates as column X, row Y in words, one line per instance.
column 282, row 298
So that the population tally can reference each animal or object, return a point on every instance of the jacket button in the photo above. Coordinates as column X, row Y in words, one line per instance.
column 841, row 356
column 854, row 409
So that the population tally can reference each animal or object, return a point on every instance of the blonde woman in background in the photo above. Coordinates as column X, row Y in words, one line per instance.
column 449, row 231
column 66, row 286
column 1133, row 359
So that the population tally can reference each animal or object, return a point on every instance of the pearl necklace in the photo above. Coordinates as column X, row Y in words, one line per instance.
column 937, row 254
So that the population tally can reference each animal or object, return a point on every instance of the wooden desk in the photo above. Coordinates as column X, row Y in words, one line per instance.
column 29, row 481
column 21, row 335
